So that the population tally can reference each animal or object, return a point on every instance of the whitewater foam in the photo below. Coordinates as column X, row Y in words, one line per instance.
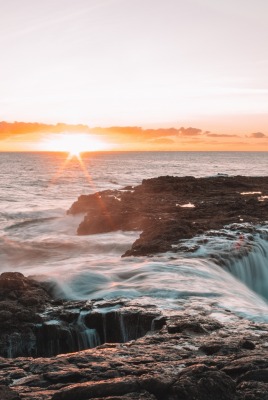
column 37, row 238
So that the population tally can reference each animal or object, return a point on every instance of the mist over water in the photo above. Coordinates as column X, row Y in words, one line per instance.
column 37, row 238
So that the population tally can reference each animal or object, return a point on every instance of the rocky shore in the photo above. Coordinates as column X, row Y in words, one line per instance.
column 192, row 353
column 120, row 349
column 168, row 209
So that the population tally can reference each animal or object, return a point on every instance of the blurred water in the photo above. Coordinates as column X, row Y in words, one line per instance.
column 38, row 238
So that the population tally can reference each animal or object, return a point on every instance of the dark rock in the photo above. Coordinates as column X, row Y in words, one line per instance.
column 8, row 394
column 159, row 385
column 21, row 301
column 210, row 348
column 255, row 375
column 190, row 325
column 131, row 396
column 89, row 390
column 247, row 344
column 252, row 391
column 159, row 322
column 202, row 383
column 165, row 366
column 155, row 208
column 70, row 375
column 67, row 326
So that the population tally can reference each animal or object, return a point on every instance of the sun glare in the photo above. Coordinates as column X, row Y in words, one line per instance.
column 73, row 143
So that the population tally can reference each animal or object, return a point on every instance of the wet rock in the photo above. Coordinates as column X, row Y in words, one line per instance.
column 255, row 375
column 69, row 375
column 158, row 322
column 30, row 381
column 89, row 390
column 247, row 344
column 8, row 394
column 161, row 365
column 157, row 208
column 131, row 396
column 203, row 383
column 193, row 325
column 121, row 325
column 5, row 316
column 252, row 391
column 21, row 301
column 159, row 385
column 65, row 326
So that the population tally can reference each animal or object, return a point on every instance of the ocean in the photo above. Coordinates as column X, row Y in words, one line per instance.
column 39, row 239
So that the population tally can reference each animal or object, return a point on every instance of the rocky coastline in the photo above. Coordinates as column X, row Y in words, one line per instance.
column 54, row 349
column 169, row 209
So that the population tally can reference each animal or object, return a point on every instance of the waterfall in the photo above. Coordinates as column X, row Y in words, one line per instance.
column 86, row 337
column 18, row 344
column 252, row 267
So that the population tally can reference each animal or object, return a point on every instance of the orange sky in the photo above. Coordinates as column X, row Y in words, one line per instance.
column 20, row 136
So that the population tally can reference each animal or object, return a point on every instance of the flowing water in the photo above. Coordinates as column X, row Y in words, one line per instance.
column 37, row 238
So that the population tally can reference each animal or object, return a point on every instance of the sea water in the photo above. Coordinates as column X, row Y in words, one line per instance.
column 39, row 239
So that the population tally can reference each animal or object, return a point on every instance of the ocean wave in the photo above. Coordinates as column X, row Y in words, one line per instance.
column 29, row 222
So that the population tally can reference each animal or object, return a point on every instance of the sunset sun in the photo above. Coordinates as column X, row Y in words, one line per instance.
column 73, row 143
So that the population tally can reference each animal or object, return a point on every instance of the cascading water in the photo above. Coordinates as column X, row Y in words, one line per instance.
column 240, row 249
column 86, row 337
column 252, row 268
column 88, row 329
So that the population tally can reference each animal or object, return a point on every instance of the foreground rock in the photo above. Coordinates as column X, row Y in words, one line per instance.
column 168, row 209
column 21, row 302
column 193, row 356
column 33, row 323
column 197, row 351
column 194, row 352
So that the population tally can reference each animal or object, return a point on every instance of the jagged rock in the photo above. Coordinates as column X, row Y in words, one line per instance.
column 21, row 301
column 89, row 390
column 158, row 208
column 203, row 383
column 25, row 330
column 208, row 364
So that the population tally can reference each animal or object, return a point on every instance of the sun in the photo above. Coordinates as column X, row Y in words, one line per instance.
column 73, row 143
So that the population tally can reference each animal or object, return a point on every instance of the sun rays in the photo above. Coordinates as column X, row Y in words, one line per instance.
column 63, row 169
column 74, row 144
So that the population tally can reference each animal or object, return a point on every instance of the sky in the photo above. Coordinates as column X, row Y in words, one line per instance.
column 137, row 63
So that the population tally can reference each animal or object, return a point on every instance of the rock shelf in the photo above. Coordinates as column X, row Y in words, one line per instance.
column 168, row 209
column 193, row 354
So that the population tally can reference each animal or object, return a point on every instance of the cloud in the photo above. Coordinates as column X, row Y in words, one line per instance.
column 218, row 135
column 135, row 132
column 124, row 137
column 189, row 131
column 8, row 129
column 162, row 141
column 257, row 135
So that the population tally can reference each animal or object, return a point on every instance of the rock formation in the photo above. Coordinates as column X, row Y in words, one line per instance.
column 168, row 209
column 190, row 355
